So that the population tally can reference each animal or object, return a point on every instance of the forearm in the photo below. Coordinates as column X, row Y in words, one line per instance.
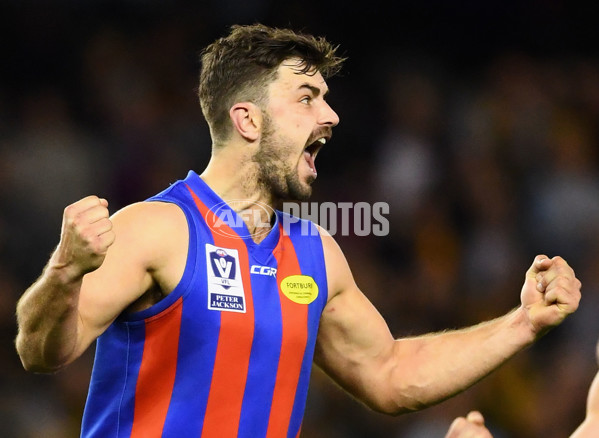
column 356, row 348
column 432, row 368
column 48, row 318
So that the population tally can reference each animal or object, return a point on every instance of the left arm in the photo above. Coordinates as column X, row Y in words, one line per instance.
column 356, row 348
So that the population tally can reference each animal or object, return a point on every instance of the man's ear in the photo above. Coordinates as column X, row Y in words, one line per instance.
column 247, row 120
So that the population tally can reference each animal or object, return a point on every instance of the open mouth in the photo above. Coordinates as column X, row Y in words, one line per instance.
column 311, row 151
column 314, row 147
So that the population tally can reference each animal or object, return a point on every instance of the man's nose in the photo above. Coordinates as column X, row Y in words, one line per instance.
column 329, row 116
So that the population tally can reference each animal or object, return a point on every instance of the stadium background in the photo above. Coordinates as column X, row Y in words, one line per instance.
column 476, row 122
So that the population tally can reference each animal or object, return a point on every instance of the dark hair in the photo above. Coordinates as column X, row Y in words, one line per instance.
column 239, row 66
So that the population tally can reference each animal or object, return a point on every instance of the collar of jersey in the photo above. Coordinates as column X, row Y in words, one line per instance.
column 213, row 201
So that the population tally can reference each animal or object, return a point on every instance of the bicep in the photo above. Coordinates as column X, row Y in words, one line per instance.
column 138, row 254
column 353, row 340
column 354, row 343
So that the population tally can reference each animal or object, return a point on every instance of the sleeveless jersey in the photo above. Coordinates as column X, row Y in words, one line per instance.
column 228, row 353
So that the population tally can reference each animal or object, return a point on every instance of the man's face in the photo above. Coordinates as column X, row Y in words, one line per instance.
column 297, row 122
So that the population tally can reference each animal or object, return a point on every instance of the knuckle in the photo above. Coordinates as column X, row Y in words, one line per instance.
column 460, row 422
column 560, row 283
column 98, row 246
column 79, row 227
column 111, row 237
column 70, row 212
column 90, row 198
column 565, row 283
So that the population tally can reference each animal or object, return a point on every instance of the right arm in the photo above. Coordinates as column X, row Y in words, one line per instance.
column 101, row 266
column 357, row 350
column 50, row 329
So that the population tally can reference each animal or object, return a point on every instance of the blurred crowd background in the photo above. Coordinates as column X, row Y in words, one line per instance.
column 476, row 123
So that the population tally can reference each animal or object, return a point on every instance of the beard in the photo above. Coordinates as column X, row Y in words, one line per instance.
column 275, row 174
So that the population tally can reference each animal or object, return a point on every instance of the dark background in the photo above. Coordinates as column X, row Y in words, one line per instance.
column 476, row 123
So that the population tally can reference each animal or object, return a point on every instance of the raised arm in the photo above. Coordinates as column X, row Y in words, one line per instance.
column 101, row 267
column 394, row 376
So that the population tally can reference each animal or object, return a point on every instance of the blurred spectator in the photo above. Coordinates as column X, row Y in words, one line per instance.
column 486, row 158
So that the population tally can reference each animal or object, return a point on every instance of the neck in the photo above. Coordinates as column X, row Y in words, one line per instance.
column 232, row 175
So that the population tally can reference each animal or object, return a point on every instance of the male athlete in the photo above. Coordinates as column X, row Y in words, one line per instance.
column 209, row 307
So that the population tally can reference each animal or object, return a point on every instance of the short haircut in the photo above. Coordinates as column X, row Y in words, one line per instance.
column 240, row 66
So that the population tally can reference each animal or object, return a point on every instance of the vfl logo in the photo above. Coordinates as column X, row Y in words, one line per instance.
column 223, row 218
column 223, row 266
column 225, row 288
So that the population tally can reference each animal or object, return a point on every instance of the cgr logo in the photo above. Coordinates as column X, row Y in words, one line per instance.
column 263, row 270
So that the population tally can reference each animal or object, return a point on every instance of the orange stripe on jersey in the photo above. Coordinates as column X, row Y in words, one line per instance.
column 232, row 359
column 156, row 372
column 295, row 335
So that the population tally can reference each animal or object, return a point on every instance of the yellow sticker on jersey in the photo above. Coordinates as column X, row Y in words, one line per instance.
column 301, row 289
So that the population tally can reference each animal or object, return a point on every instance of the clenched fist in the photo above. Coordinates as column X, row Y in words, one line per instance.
column 551, row 292
column 85, row 237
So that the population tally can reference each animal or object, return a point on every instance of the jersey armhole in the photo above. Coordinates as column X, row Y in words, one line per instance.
column 183, row 287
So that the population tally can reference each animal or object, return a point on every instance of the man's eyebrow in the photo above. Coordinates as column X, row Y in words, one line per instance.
column 315, row 90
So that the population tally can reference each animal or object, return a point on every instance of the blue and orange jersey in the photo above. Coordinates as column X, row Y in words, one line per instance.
column 228, row 353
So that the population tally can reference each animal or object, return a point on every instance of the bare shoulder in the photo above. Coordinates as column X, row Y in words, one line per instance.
column 149, row 215
column 149, row 254
column 353, row 338
column 159, row 234
column 339, row 275
column 150, row 224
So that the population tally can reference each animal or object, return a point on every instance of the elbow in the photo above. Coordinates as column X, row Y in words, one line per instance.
column 395, row 403
column 396, row 391
column 33, row 362
column 411, row 390
column 388, row 409
column 395, row 408
column 39, row 367
column 401, row 398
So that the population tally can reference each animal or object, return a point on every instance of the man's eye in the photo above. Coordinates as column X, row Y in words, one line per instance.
column 306, row 99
